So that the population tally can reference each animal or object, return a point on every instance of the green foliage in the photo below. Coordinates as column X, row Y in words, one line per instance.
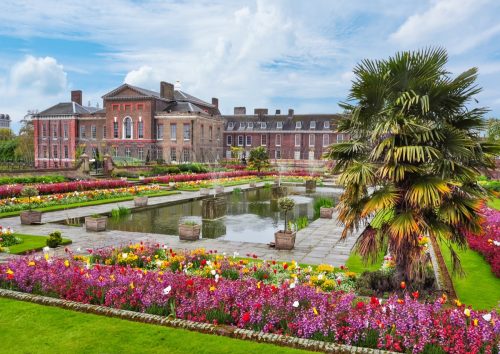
column 230, row 273
column 119, row 212
column 237, row 190
column 29, row 192
column 300, row 223
column 7, row 240
column 219, row 316
column 322, row 202
column 259, row 158
column 415, row 142
column 286, row 204
column 54, row 239
column 493, row 130
column 32, row 179
column 189, row 222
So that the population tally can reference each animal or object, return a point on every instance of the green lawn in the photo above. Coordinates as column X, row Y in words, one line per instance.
column 480, row 287
column 32, row 243
column 32, row 328
column 355, row 263
column 89, row 203
column 494, row 203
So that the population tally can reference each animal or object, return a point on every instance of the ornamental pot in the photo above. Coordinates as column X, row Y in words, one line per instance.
column 284, row 240
column 29, row 217
column 325, row 213
column 189, row 232
column 310, row 186
column 141, row 201
column 96, row 223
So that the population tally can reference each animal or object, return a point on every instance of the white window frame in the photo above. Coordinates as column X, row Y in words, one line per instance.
column 140, row 130
column 326, row 139
column 312, row 125
column 277, row 154
column 124, row 128
column 229, row 140
column 341, row 136
column 93, row 132
column 65, row 131
column 82, row 133
column 298, row 124
column 140, row 153
column 326, row 125
column 184, row 131
column 66, row 151
column 173, row 137
column 248, row 140
column 230, row 126
column 278, row 143
column 54, row 131
column 279, row 125
column 250, row 125
column 128, row 152
column 242, row 125
column 295, row 140
column 312, row 140
column 263, row 125
column 240, row 138
column 158, row 130
column 262, row 138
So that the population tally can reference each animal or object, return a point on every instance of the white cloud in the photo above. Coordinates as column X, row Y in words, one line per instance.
column 41, row 75
column 143, row 77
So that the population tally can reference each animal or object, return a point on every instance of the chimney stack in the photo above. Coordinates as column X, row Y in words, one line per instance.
column 167, row 90
column 240, row 111
column 215, row 102
column 290, row 112
column 77, row 96
column 278, row 112
column 260, row 111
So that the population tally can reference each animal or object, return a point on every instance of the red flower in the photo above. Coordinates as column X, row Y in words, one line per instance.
column 415, row 294
column 254, row 256
column 403, row 285
column 190, row 282
column 360, row 305
column 285, row 266
column 374, row 301
column 246, row 317
column 203, row 262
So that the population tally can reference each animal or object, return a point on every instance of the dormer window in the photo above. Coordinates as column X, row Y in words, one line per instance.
column 250, row 125
column 242, row 125
column 279, row 125
column 313, row 124
column 298, row 125
column 263, row 125
column 327, row 125
column 230, row 125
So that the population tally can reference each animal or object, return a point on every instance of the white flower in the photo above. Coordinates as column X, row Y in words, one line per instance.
column 216, row 278
column 208, row 263
column 79, row 249
column 496, row 243
column 384, row 309
column 124, row 255
column 320, row 276
column 159, row 263
column 235, row 254
column 487, row 317
column 166, row 291
column 295, row 303
column 46, row 249
column 223, row 253
column 292, row 285
column 213, row 272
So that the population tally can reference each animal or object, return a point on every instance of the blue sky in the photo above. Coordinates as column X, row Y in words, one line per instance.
column 274, row 54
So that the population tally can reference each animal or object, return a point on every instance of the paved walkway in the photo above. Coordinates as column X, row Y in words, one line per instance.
column 318, row 243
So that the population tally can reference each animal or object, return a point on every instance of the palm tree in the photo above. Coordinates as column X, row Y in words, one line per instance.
column 411, row 166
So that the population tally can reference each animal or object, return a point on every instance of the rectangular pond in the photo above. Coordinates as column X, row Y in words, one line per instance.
column 251, row 216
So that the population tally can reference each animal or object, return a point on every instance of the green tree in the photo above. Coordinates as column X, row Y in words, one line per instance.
column 493, row 130
column 25, row 149
column 411, row 167
column 259, row 158
column 7, row 134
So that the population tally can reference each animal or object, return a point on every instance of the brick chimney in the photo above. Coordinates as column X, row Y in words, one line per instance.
column 260, row 111
column 290, row 112
column 215, row 102
column 166, row 90
column 76, row 96
column 240, row 110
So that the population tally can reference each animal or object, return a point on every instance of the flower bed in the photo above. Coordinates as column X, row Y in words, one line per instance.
column 216, row 175
column 18, row 204
column 488, row 243
column 15, row 190
column 210, row 264
column 400, row 324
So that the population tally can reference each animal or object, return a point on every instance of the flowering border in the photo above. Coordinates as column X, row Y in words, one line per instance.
column 221, row 330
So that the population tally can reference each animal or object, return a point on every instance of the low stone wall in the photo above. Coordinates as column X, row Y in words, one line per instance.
column 227, row 331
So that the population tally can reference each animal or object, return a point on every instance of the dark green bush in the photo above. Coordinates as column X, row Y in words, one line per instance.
column 54, row 239
column 32, row 179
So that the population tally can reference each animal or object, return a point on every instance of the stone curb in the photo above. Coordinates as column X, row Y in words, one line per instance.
column 227, row 331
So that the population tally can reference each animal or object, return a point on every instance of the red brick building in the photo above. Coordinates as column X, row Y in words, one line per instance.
column 285, row 136
column 134, row 123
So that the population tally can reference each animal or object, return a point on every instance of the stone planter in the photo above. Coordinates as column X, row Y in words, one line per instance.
column 141, row 201
column 171, row 184
column 29, row 217
column 141, row 178
column 96, row 224
column 189, row 232
column 310, row 186
column 219, row 189
column 284, row 240
column 325, row 213
column 253, row 184
column 204, row 191
column 213, row 208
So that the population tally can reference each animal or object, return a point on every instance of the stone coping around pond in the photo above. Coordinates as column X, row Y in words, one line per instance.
column 227, row 331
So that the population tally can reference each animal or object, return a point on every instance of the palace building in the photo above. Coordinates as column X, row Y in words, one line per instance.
column 134, row 123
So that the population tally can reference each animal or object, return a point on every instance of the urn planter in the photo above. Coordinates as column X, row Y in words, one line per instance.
column 29, row 217
column 219, row 189
column 325, row 213
column 204, row 191
column 310, row 186
column 189, row 232
column 284, row 240
column 253, row 184
column 141, row 201
column 96, row 224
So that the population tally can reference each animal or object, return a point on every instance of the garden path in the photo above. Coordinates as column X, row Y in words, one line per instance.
column 318, row 243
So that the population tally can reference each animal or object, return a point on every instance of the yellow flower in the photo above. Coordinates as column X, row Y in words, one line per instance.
column 212, row 288
column 467, row 312
column 132, row 285
column 31, row 264
column 475, row 322
column 258, row 285
column 315, row 311
column 9, row 271
column 112, row 277
column 46, row 256
column 458, row 303
column 66, row 263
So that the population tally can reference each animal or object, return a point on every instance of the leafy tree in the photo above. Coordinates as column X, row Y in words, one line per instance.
column 493, row 130
column 6, row 134
column 411, row 167
column 259, row 158
column 25, row 149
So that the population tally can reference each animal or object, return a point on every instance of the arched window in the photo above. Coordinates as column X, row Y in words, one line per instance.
column 127, row 128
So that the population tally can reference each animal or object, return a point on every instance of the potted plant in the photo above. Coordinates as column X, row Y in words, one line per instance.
column 253, row 184
column 285, row 239
column 30, row 216
column 96, row 222
column 189, row 230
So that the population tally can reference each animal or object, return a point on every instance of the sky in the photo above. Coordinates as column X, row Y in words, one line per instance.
column 275, row 54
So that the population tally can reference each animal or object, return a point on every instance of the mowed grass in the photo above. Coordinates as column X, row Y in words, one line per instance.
column 32, row 243
column 33, row 328
column 356, row 264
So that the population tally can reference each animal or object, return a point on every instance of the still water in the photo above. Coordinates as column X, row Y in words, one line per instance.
column 251, row 216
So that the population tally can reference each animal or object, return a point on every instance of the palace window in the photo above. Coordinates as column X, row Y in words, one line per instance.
column 263, row 125
column 93, row 132
column 115, row 130
column 159, row 131
column 240, row 140
column 54, row 151
column 311, row 140
column 185, row 155
column 298, row 125
column 82, row 132
column 54, row 131
column 140, row 130
column 229, row 140
column 230, row 125
column 279, row 125
column 173, row 132
column 327, row 125
column 278, row 154
column 248, row 140
column 297, row 139
column 127, row 152
column 65, row 131
column 187, row 131
column 278, row 140
column 140, row 153
column 173, row 154
column 263, row 139
column 127, row 128
column 340, row 138
column 66, row 152
column 104, row 132
column 313, row 124
column 44, row 130
column 326, row 139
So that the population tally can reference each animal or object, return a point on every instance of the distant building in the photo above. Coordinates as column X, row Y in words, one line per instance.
column 285, row 136
column 134, row 123
column 4, row 121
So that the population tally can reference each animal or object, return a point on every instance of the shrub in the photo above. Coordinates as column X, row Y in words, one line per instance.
column 29, row 192
column 32, row 179
column 54, row 239
column 7, row 238
column 120, row 212
column 322, row 203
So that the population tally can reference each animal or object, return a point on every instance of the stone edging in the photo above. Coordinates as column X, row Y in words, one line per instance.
column 227, row 331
